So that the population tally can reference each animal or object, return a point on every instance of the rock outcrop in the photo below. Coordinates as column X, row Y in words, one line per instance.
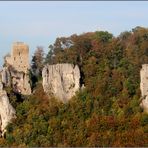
column 19, row 81
column 144, row 87
column 61, row 80
column 7, row 112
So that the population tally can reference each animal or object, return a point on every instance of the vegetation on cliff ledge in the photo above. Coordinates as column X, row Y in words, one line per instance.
column 105, row 113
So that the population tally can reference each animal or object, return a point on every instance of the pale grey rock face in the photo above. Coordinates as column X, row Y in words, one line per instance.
column 7, row 112
column 144, row 104
column 61, row 80
column 144, row 87
column 144, row 80
column 19, row 81
column 5, row 75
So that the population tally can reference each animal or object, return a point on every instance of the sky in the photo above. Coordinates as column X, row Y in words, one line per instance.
column 39, row 23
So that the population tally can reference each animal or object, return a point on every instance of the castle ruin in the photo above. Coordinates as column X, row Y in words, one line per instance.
column 19, row 58
column 15, row 71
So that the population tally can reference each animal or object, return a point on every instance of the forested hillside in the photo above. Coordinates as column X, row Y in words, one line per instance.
column 106, row 112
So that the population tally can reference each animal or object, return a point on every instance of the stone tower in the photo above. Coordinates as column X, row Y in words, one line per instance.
column 19, row 58
column 15, row 71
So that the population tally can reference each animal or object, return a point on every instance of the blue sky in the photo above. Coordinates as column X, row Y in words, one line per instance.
column 40, row 23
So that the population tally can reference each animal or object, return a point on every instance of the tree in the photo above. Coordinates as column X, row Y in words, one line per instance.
column 104, row 36
column 106, row 112
column 50, row 55
column 37, row 61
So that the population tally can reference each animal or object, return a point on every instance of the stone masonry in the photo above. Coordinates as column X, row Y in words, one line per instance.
column 19, row 58
column 15, row 73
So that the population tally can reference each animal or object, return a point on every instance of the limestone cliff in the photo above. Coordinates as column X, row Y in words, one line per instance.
column 144, row 86
column 7, row 112
column 61, row 80
column 19, row 81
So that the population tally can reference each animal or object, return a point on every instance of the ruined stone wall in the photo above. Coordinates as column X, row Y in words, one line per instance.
column 9, row 60
column 19, row 58
column 15, row 72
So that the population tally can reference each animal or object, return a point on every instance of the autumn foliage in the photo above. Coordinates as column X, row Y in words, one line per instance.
column 104, row 114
